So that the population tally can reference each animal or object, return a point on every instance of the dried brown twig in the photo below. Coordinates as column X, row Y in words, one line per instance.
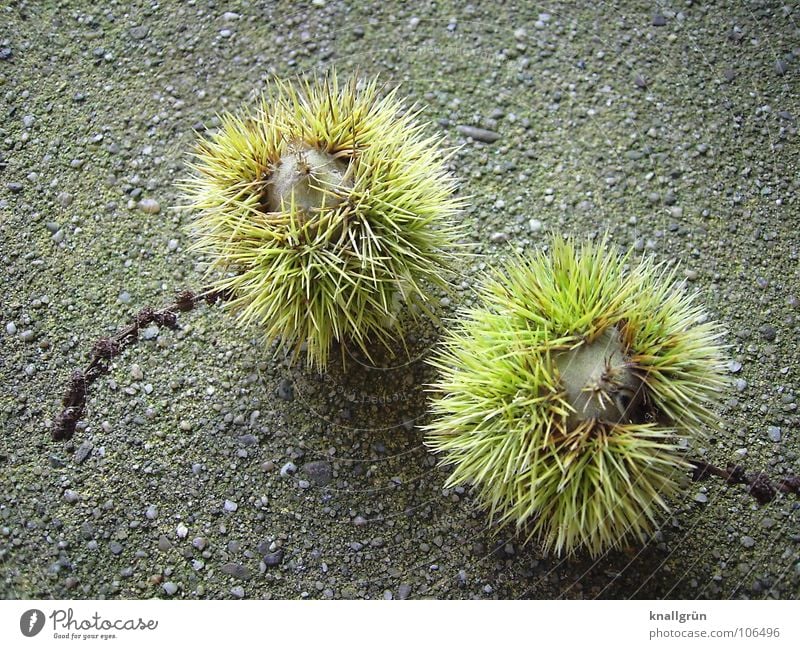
column 759, row 484
column 106, row 349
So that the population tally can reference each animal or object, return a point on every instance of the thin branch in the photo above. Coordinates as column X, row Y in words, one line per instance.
column 105, row 349
column 759, row 484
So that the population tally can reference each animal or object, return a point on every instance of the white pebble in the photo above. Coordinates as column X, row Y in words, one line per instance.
column 149, row 206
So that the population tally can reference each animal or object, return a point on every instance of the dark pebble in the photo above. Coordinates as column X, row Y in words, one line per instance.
column 479, row 134
column 87, row 530
column 768, row 332
column 139, row 32
column 781, row 67
column 83, row 452
column 320, row 472
column 285, row 390
column 237, row 570
column 5, row 53
column 115, row 547
column 14, row 188
column 273, row 558
column 659, row 20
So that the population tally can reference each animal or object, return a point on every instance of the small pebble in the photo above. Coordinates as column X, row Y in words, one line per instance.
column 238, row 592
column 479, row 134
column 774, row 433
column 748, row 541
column 150, row 333
column 285, row 390
column 170, row 588
column 11, row 328
column 139, row 32
column 236, row 570
column 273, row 558
column 149, row 206
column 319, row 472
column 71, row 496
column 230, row 506
column 768, row 332
column 182, row 531
column 83, row 452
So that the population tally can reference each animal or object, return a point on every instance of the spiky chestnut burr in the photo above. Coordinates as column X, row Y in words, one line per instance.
column 326, row 207
column 568, row 395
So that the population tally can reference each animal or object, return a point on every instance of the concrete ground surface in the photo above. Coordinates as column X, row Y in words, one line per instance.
column 207, row 466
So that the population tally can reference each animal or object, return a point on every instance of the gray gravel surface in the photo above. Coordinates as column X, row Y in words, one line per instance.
column 206, row 466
